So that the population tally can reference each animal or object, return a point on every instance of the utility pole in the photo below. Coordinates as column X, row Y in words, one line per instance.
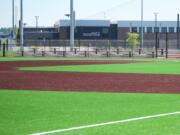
column 142, row 27
column 72, row 15
column 21, row 28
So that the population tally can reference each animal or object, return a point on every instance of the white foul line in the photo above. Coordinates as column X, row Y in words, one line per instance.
column 107, row 123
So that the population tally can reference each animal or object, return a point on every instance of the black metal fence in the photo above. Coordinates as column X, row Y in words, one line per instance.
column 87, row 48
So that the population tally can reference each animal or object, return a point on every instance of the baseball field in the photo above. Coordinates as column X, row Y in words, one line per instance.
column 113, row 96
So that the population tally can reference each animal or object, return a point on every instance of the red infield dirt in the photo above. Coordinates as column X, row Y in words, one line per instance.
column 10, row 78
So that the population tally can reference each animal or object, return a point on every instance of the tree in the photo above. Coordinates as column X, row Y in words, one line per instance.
column 133, row 40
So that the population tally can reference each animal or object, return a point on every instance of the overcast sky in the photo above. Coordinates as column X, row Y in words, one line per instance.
column 49, row 11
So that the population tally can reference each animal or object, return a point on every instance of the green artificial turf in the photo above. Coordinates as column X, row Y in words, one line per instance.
column 25, row 112
column 26, row 58
column 144, row 68
column 61, row 58
column 8, row 54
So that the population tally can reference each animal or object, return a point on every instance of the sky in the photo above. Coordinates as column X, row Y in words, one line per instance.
column 50, row 11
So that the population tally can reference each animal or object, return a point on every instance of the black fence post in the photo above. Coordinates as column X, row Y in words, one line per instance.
column 156, row 46
column 96, row 51
column 22, row 53
column 130, row 54
column 162, row 52
column 125, row 44
column 117, row 51
column 4, row 50
column 109, row 42
column 79, row 43
column 140, row 51
column 85, row 53
column 75, row 50
column 34, row 51
column 54, row 50
column 88, row 50
column 64, row 53
column 43, row 53
column 152, row 54
column 167, row 45
column 7, row 44
column 0, row 45
column 107, row 53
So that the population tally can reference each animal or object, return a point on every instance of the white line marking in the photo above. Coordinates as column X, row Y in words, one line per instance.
column 107, row 123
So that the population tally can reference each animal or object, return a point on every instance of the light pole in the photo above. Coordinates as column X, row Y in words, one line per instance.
column 178, row 30
column 156, row 15
column 142, row 21
column 156, row 31
column 13, row 29
column 37, row 19
column 130, row 25
column 21, row 28
column 72, row 25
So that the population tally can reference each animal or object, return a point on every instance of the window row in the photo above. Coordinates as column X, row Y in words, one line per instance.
column 154, row 29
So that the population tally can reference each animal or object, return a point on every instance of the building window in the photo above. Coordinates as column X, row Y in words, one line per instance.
column 105, row 30
column 171, row 29
column 134, row 29
column 164, row 29
column 156, row 29
column 149, row 29
column 140, row 29
column 76, row 30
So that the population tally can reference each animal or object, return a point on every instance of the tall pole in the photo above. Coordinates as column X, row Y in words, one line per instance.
column 13, row 28
column 166, row 44
column 142, row 20
column 37, row 19
column 21, row 28
column 156, row 31
column 155, row 14
column 72, row 25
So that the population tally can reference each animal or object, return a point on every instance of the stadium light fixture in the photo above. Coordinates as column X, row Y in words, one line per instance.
column 67, row 15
